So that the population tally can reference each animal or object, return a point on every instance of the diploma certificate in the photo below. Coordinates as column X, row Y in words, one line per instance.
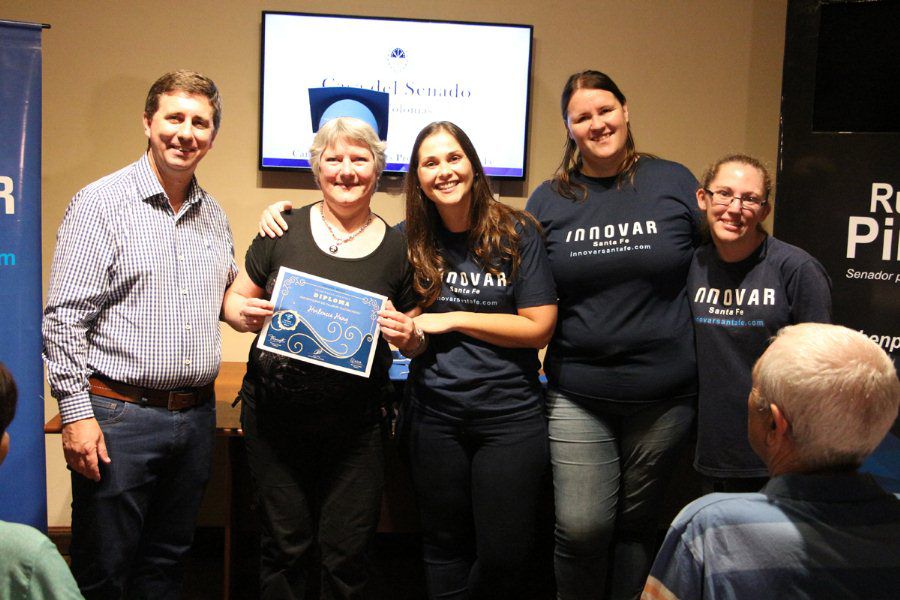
column 323, row 322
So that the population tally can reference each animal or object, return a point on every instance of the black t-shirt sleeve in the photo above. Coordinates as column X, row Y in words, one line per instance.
column 258, row 260
column 685, row 187
column 534, row 280
column 809, row 293
column 405, row 299
column 538, row 200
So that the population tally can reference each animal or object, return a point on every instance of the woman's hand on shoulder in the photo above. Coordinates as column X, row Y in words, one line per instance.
column 271, row 223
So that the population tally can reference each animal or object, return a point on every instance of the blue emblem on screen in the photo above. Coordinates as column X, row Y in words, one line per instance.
column 397, row 59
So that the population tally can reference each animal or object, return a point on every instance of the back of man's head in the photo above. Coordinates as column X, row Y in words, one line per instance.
column 837, row 389
column 8, row 396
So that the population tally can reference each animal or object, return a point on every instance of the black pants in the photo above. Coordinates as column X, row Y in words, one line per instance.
column 477, row 484
column 319, row 482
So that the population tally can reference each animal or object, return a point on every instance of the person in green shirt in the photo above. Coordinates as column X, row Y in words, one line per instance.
column 30, row 565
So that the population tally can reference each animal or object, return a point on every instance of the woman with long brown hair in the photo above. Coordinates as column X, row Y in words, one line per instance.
column 477, row 434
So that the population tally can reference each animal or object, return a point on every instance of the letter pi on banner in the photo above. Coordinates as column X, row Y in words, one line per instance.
column 838, row 193
column 23, row 493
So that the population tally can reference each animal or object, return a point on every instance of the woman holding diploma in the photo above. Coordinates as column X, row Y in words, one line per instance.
column 314, row 440
column 477, row 434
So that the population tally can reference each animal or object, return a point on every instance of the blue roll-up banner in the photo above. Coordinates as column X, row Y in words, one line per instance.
column 23, row 488
column 838, row 194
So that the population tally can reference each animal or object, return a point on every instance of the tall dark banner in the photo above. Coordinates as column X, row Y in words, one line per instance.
column 23, row 494
column 838, row 191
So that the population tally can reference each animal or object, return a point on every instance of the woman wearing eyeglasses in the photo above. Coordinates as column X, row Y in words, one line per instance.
column 744, row 286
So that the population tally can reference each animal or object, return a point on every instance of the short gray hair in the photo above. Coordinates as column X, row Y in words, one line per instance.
column 837, row 388
column 346, row 128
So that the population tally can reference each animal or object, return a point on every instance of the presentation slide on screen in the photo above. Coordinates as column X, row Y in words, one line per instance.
column 473, row 75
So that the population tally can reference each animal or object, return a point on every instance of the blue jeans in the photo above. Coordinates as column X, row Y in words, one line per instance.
column 477, row 482
column 609, row 474
column 132, row 529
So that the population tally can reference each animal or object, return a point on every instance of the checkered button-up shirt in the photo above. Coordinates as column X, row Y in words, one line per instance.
column 135, row 291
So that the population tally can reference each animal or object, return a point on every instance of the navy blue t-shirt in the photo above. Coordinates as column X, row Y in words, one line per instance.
column 461, row 376
column 737, row 308
column 620, row 260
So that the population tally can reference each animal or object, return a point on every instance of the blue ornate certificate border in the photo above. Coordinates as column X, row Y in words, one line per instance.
column 323, row 322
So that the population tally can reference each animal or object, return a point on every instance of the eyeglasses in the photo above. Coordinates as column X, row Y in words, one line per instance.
column 726, row 197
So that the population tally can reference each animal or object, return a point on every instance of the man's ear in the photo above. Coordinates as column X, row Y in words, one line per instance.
column 4, row 445
column 780, row 425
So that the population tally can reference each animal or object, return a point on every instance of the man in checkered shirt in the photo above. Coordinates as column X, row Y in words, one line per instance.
column 131, row 341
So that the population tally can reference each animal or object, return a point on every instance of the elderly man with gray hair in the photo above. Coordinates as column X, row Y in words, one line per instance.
column 823, row 398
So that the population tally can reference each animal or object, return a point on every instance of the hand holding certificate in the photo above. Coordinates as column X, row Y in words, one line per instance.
column 323, row 322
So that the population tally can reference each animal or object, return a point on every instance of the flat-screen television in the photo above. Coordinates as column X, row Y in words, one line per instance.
column 477, row 75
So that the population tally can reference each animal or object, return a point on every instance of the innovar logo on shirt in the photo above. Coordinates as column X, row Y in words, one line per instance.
column 474, row 279
column 611, row 231
column 737, row 296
